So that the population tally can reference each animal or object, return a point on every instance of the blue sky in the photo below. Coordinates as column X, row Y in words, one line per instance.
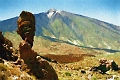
column 105, row 10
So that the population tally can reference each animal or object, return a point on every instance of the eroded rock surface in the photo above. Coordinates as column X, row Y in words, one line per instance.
column 26, row 27
column 6, row 49
column 36, row 65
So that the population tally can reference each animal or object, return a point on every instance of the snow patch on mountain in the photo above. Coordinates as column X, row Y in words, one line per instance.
column 52, row 12
column 58, row 12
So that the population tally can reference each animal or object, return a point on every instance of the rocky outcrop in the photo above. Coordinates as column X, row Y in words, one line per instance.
column 26, row 27
column 105, row 65
column 109, row 64
column 6, row 49
column 36, row 65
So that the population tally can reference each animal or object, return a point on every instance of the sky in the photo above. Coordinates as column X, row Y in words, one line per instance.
column 105, row 10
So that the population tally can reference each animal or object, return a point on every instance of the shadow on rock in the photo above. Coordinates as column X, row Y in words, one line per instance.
column 105, row 65
column 6, row 49
column 38, row 66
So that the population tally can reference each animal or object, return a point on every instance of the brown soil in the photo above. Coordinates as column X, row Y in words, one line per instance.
column 67, row 58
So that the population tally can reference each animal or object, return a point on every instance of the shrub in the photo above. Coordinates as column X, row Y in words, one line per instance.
column 3, row 72
column 67, row 74
column 3, row 67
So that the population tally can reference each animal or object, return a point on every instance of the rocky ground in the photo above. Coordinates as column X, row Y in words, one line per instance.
column 80, row 70
column 23, row 64
column 61, row 57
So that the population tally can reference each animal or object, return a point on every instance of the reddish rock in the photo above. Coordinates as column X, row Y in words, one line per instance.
column 6, row 48
column 38, row 67
column 26, row 27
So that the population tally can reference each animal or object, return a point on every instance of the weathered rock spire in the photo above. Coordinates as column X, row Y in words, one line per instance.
column 26, row 27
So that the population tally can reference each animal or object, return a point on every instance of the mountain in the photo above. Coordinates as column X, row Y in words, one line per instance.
column 72, row 28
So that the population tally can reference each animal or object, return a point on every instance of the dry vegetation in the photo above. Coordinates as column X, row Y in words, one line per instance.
column 71, row 59
column 9, row 71
column 72, row 71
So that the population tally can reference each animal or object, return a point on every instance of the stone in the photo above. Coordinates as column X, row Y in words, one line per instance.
column 26, row 27
column 34, row 64
column 105, row 65
column 6, row 50
column 109, row 64
column 38, row 66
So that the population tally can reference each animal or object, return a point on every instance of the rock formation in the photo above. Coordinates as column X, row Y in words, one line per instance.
column 36, row 65
column 26, row 27
column 6, row 49
column 106, row 65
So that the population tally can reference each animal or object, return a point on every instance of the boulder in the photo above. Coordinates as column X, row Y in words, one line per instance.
column 6, row 49
column 109, row 64
column 38, row 66
column 26, row 27
column 105, row 65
